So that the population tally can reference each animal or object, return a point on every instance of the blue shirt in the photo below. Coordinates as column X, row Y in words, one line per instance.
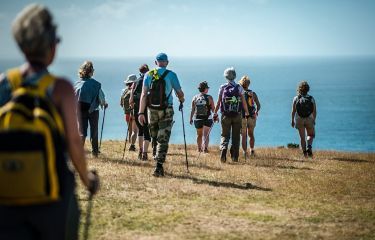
column 171, row 83
column 6, row 89
column 88, row 90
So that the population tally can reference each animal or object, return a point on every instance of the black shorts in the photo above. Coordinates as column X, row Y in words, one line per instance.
column 199, row 123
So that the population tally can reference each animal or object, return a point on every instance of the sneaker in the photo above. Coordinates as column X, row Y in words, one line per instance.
column 144, row 156
column 223, row 156
column 159, row 171
column 205, row 150
column 132, row 148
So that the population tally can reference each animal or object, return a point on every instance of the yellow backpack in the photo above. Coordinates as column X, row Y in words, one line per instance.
column 31, row 139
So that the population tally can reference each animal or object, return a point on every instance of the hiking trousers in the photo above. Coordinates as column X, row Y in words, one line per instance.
column 160, row 124
column 92, row 119
column 231, row 125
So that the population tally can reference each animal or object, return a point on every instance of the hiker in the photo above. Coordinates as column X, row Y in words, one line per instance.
column 144, row 137
column 248, row 124
column 129, row 116
column 305, row 107
column 90, row 96
column 201, row 107
column 158, row 86
column 230, row 99
column 52, row 212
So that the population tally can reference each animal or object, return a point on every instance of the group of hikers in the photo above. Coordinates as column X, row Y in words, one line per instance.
column 44, row 122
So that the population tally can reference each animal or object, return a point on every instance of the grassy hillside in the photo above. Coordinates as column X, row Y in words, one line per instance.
column 277, row 195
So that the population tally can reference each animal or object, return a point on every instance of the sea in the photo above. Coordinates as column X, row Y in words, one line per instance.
column 343, row 88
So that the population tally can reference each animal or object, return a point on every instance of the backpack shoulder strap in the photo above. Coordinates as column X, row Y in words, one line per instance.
column 45, row 82
column 14, row 77
column 165, row 73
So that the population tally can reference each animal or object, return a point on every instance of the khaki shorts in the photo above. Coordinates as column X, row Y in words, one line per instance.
column 305, row 122
column 249, row 123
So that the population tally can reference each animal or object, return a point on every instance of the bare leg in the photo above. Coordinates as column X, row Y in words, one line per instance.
column 199, row 138
column 302, row 136
column 134, row 132
column 145, row 146
column 244, row 139
column 310, row 135
column 252, row 138
column 206, row 137
column 140, row 143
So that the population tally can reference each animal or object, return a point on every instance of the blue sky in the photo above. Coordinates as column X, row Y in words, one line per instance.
column 128, row 28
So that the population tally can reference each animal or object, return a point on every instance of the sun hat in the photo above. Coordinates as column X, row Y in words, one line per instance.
column 131, row 79
column 161, row 57
column 230, row 73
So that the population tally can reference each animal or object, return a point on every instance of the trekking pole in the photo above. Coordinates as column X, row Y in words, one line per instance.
column 205, row 139
column 88, row 217
column 126, row 140
column 101, row 132
column 183, row 129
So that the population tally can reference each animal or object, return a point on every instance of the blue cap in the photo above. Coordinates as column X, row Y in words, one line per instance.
column 161, row 57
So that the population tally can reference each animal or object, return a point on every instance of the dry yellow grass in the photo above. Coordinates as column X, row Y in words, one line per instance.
column 277, row 195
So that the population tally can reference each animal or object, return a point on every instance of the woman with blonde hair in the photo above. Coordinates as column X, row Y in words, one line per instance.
column 90, row 96
column 305, row 107
column 248, row 124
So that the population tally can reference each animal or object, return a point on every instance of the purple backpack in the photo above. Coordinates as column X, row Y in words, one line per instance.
column 231, row 100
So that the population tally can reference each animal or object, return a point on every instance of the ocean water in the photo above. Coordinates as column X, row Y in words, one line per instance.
column 344, row 90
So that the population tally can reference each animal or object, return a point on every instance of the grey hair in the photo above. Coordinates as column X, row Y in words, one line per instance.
column 230, row 73
column 34, row 31
column 86, row 70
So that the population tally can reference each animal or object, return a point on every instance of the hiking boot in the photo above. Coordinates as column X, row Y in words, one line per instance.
column 304, row 153
column 132, row 148
column 205, row 150
column 223, row 155
column 309, row 151
column 159, row 171
column 95, row 154
column 144, row 156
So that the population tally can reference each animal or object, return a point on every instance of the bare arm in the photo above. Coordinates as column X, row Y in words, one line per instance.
column 244, row 105
column 293, row 113
column 218, row 103
column 212, row 103
column 180, row 94
column 131, row 99
column 192, row 111
column 256, row 100
column 314, row 111
column 63, row 97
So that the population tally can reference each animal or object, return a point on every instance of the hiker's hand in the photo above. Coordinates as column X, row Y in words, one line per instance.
column 191, row 121
column 293, row 124
column 181, row 106
column 141, row 119
column 216, row 117
column 94, row 183
column 105, row 105
column 182, row 100
column 247, row 115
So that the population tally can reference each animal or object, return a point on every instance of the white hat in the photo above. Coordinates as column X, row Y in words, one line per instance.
column 131, row 79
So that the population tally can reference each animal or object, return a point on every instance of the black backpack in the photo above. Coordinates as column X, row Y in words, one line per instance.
column 138, row 92
column 156, row 96
column 304, row 106
column 202, row 107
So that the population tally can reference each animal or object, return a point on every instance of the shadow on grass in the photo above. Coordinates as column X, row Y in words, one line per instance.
column 350, row 160
column 283, row 167
column 246, row 186
column 283, row 159
column 129, row 162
